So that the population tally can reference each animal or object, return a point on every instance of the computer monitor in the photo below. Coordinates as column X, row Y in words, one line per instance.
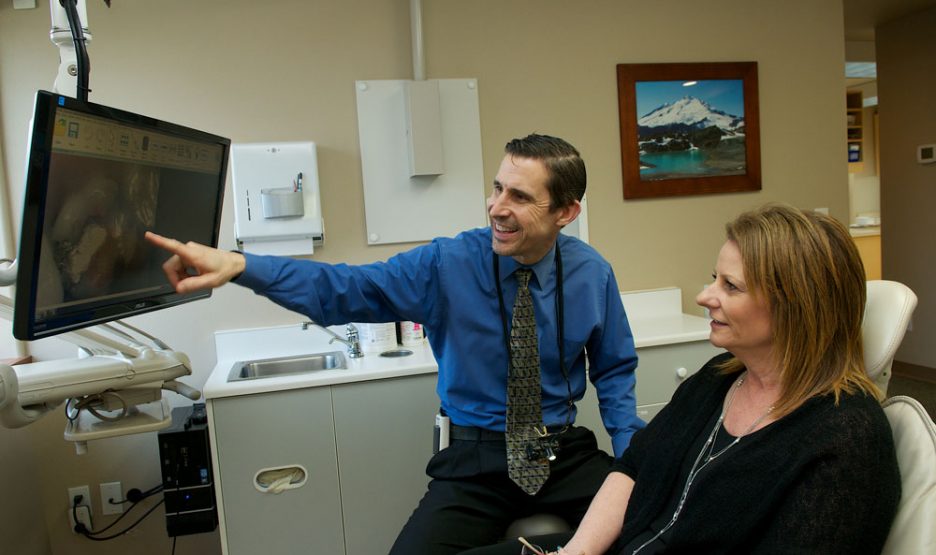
column 97, row 178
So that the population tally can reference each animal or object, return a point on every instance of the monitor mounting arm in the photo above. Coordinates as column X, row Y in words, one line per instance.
column 71, row 36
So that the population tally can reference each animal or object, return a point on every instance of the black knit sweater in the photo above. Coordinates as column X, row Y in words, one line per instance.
column 823, row 479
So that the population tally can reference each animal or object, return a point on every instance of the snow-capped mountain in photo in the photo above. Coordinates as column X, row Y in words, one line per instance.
column 690, row 112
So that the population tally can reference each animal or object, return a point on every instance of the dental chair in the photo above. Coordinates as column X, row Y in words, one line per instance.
column 887, row 315
column 888, row 308
column 914, row 527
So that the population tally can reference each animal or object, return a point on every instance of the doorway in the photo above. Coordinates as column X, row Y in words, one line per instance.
column 864, row 182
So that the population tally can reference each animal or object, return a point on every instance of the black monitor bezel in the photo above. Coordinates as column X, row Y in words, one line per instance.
column 36, row 178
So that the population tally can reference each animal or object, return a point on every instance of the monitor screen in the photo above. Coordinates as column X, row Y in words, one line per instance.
column 97, row 178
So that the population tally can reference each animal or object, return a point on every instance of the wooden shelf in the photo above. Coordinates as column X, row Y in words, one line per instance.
column 854, row 130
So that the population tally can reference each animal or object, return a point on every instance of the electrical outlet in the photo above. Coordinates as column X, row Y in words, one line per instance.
column 111, row 494
column 85, row 494
column 83, row 512
column 83, row 509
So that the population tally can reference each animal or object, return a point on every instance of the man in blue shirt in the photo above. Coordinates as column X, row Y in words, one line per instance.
column 462, row 290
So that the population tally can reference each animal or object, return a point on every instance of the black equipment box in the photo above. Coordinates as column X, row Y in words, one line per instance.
column 188, row 482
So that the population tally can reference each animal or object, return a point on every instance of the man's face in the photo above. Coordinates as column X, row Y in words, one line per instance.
column 522, row 225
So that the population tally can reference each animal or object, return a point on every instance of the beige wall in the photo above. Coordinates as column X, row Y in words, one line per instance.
column 278, row 71
column 542, row 67
column 906, row 80
column 22, row 525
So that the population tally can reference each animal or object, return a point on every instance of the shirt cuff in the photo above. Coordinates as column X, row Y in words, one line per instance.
column 257, row 270
column 240, row 252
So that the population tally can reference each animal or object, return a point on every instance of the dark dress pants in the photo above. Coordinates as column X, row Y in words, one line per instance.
column 471, row 500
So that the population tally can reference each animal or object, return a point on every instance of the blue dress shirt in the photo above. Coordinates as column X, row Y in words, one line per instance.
column 448, row 286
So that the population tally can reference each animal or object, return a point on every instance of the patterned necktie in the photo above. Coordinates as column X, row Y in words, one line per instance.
column 524, row 393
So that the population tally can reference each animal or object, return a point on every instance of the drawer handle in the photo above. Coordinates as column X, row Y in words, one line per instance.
column 280, row 479
column 681, row 372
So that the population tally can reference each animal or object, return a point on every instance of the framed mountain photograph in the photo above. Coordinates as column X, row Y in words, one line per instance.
column 689, row 128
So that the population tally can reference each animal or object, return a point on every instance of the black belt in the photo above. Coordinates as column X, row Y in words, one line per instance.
column 471, row 433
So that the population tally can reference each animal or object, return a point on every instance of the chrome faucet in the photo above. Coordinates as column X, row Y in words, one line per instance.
column 353, row 341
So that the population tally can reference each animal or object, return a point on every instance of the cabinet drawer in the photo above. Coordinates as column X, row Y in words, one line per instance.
column 661, row 369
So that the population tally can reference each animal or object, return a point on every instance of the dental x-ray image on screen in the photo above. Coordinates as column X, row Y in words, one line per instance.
column 97, row 179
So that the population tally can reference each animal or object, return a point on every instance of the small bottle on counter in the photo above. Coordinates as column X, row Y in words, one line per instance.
column 377, row 338
column 412, row 334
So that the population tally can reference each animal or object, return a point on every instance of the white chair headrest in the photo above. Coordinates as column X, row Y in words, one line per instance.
column 887, row 315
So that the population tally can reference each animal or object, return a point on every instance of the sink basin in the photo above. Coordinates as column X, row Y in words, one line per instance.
column 284, row 366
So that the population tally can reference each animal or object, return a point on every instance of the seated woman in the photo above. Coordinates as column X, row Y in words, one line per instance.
column 779, row 445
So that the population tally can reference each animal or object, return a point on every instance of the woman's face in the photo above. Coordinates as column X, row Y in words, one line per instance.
column 740, row 321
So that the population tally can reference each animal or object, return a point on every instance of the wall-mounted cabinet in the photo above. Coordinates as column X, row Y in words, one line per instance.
column 855, row 130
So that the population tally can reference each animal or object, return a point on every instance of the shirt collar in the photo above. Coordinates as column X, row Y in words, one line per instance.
column 542, row 269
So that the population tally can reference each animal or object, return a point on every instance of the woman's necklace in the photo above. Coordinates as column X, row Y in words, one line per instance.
column 707, row 455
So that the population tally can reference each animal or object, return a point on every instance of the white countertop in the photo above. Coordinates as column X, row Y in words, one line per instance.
column 668, row 329
column 256, row 344
column 864, row 231
column 655, row 318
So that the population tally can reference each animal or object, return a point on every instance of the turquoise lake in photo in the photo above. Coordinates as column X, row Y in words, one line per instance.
column 694, row 163
column 685, row 162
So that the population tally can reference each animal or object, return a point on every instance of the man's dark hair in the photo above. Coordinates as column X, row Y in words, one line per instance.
column 566, row 183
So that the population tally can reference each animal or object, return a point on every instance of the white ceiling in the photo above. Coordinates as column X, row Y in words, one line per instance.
column 862, row 16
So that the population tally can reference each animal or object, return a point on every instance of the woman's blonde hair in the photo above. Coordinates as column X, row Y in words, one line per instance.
column 807, row 268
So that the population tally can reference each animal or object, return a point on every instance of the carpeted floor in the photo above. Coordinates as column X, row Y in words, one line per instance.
column 917, row 382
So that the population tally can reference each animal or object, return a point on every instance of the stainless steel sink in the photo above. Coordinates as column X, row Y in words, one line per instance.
column 284, row 366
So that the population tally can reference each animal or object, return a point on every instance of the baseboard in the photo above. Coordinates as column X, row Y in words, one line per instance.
column 914, row 372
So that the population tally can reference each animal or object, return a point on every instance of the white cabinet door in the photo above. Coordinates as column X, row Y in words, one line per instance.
column 384, row 431
column 256, row 432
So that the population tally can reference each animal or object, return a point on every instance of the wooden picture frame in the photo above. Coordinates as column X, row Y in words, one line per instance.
column 694, row 144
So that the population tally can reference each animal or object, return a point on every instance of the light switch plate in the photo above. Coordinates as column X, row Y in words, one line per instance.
column 926, row 154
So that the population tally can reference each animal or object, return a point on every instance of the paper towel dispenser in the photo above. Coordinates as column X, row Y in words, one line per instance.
column 277, row 207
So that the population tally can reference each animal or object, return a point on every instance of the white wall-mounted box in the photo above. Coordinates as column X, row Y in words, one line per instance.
column 399, row 207
column 424, row 128
column 277, row 207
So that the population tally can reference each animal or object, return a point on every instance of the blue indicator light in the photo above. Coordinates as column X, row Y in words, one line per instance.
column 61, row 101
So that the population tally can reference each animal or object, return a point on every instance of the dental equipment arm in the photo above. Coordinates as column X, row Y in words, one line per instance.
column 131, row 372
